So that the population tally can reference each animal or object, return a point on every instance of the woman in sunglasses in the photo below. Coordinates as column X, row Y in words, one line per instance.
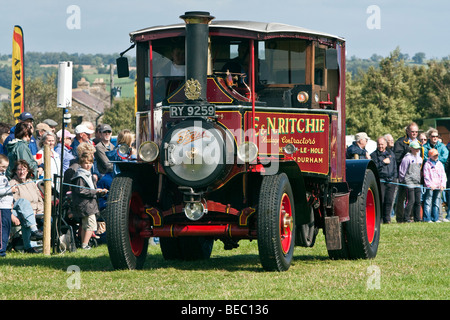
column 435, row 143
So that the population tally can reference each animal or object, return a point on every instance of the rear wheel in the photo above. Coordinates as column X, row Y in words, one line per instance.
column 363, row 229
column 127, row 249
column 360, row 236
column 276, row 223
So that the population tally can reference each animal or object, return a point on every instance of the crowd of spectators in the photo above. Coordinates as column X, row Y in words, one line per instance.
column 86, row 163
column 413, row 173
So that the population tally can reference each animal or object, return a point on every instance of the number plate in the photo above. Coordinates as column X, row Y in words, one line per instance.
column 192, row 111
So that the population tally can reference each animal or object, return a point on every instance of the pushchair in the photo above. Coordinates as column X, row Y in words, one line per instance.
column 63, row 235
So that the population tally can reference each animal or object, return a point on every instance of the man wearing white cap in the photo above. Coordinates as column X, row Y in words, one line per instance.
column 82, row 134
column 358, row 148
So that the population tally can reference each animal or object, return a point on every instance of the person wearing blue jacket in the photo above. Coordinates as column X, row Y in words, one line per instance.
column 357, row 150
column 434, row 143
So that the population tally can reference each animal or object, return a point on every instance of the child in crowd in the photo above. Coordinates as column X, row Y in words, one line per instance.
column 410, row 174
column 435, row 181
column 6, row 201
column 84, row 198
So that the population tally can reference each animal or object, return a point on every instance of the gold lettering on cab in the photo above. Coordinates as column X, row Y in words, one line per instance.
column 309, row 133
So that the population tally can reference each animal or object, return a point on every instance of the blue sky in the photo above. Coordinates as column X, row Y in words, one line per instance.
column 100, row 26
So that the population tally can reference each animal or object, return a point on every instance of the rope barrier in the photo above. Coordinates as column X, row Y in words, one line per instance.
column 38, row 180
column 73, row 185
column 412, row 186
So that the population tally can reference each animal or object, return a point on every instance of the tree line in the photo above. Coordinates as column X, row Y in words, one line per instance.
column 34, row 60
column 386, row 98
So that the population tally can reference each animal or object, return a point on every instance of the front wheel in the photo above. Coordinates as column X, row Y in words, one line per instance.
column 276, row 223
column 127, row 249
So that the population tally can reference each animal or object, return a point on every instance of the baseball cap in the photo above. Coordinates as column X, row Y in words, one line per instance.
column 415, row 145
column 82, row 128
column 432, row 152
column 361, row 135
column 105, row 127
column 67, row 134
column 25, row 116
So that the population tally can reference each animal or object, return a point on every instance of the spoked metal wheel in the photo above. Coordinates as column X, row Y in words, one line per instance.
column 276, row 223
column 127, row 248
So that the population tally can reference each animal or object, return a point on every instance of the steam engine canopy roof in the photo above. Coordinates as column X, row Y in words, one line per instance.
column 261, row 29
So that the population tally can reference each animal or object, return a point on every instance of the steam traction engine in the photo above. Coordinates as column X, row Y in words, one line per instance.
column 240, row 135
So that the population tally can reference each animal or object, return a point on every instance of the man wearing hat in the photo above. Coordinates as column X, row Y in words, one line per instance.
column 41, row 128
column 103, row 164
column 51, row 123
column 28, row 118
column 82, row 134
column 358, row 148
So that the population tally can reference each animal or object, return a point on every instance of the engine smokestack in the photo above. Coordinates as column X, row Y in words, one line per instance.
column 197, row 30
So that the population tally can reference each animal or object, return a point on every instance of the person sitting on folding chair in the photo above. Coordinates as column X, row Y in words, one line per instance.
column 26, row 189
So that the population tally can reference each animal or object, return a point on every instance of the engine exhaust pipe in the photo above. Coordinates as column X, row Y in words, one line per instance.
column 197, row 30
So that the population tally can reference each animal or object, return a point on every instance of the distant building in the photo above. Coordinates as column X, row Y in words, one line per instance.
column 89, row 102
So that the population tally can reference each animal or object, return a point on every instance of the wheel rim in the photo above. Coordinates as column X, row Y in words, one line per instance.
column 370, row 215
column 286, row 223
column 136, row 241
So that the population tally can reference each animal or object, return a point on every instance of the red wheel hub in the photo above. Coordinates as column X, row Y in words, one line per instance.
column 370, row 215
column 286, row 223
column 136, row 205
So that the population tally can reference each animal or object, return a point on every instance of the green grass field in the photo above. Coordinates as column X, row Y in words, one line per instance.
column 412, row 264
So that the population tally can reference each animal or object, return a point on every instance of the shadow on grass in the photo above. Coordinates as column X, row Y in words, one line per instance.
column 240, row 262
column 58, row 262
column 101, row 262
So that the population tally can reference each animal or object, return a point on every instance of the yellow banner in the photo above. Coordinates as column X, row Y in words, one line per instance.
column 18, row 74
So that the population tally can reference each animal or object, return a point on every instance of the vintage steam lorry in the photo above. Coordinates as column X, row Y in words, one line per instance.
column 240, row 135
